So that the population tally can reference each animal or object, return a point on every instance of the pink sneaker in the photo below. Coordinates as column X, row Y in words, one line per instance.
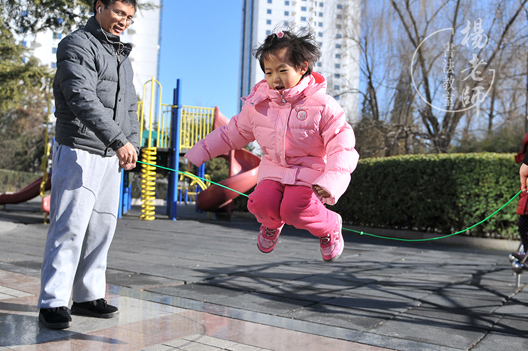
column 333, row 244
column 267, row 238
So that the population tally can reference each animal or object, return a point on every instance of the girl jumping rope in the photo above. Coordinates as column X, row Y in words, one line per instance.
column 307, row 143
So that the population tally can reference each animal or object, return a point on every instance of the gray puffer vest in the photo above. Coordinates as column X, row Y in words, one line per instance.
column 95, row 98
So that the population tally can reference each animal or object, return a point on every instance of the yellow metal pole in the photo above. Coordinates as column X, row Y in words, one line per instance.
column 151, row 112
column 159, row 113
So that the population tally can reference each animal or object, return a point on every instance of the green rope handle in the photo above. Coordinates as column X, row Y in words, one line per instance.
column 352, row 230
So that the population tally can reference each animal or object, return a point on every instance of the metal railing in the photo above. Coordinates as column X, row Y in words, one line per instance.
column 156, row 131
column 196, row 123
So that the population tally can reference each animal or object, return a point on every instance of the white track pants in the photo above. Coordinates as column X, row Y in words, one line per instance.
column 83, row 218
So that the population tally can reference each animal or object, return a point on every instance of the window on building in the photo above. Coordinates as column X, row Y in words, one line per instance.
column 286, row 13
column 53, row 50
column 320, row 34
column 269, row 1
column 336, row 97
column 24, row 13
column 268, row 21
column 268, row 11
column 338, row 26
column 319, row 64
column 339, row 16
column 338, row 35
column 24, row 44
column 287, row 3
column 320, row 14
column 336, row 87
column 268, row 32
column 339, row 6
column 337, row 75
column 337, row 65
column 286, row 24
column 320, row 44
column 303, row 19
column 338, row 46
column 53, row 65
column 320, row 24
column 320, row 4
column 57, row 35
column 338, row 56
column 303, row 8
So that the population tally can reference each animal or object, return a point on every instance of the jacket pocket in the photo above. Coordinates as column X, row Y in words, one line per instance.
column 301, row 141
column 302, row 135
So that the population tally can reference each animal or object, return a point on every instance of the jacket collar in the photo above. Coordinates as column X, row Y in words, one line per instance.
column 308, row 86
column 108, row 39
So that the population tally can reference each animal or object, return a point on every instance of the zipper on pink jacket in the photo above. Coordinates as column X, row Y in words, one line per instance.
column 282, row 97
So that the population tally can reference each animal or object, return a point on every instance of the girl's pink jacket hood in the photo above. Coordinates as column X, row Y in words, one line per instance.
column 303, row 134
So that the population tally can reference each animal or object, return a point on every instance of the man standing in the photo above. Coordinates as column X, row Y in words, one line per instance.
column 97, row 135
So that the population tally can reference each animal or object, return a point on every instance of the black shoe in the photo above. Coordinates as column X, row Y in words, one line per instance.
column 55, row 318
column 98, row 308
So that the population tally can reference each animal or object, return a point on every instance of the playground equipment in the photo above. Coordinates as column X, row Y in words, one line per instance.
column 163, row 140
column 243, row 167
column 148, row 154
column 190, row 187
column 45, row 164
column 148, row 183
column 27, row 193
column 168, row 136
column 40, row 185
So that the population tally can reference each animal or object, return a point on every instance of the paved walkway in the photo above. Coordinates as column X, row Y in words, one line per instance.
column 201, row 284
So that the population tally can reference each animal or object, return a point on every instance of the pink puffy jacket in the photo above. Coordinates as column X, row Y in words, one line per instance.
column 303, row 134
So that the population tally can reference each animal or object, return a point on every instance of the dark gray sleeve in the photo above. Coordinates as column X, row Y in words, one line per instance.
column 134, row 136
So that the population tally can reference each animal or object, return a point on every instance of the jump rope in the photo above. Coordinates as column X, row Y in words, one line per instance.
column 350, row 230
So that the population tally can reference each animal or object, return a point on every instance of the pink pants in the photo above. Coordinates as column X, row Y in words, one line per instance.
column 274, row 204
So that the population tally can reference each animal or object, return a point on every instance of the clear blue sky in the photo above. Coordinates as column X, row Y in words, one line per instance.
column 200, row 45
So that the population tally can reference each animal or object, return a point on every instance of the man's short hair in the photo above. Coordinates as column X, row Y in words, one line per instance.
column 108, row 2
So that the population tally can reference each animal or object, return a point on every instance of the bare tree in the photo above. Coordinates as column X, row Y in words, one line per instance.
column 420, row 19
column 411, row 102
column 387, row 125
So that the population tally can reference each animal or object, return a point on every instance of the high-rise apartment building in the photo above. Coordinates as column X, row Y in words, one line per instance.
column 336, row 25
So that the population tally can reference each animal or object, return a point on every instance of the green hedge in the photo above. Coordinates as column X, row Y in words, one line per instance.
column 11, row 181
column 434, row 193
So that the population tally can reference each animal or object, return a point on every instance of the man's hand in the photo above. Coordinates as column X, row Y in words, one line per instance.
column 320, row 191
column 127, row 156
column 523, row 172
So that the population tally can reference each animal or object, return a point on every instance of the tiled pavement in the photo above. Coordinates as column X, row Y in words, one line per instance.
column 201, row 284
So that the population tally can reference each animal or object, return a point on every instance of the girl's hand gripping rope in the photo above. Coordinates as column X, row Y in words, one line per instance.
column 320, row 191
